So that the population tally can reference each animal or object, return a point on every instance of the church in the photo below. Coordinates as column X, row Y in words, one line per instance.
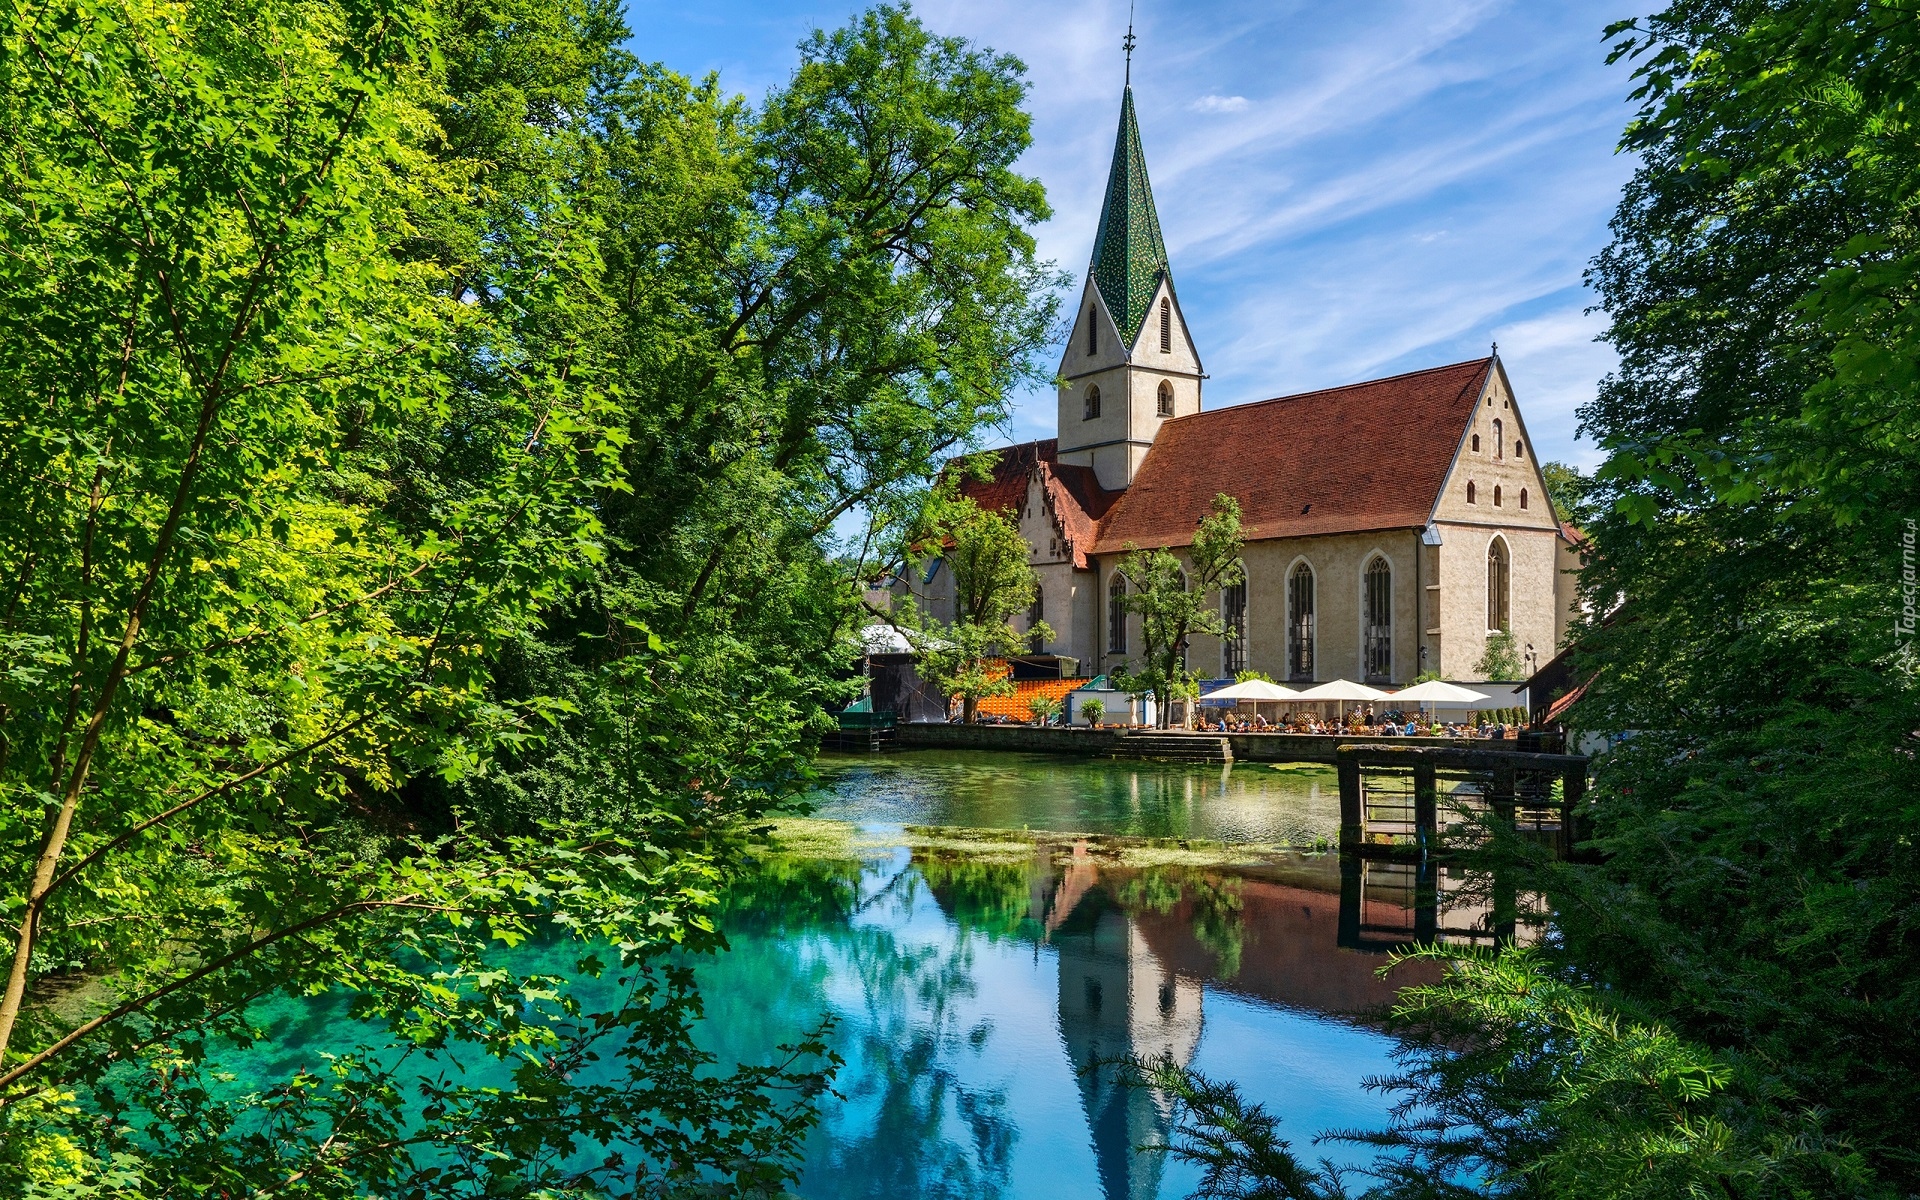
column 1391, row 526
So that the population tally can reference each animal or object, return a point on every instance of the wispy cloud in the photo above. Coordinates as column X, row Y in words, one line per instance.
column 1219, row 104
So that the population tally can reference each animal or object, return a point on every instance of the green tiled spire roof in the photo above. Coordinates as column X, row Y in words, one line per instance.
column 1129, row 255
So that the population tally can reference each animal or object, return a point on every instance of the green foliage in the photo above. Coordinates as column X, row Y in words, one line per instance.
column 1249, row 676
column 1761, row 466
column 1175, row 600
column 992, row 581
column 1093, row 710
column 1501, row 659
column 1570, row 490
column 1043, row 708
column 391, row 390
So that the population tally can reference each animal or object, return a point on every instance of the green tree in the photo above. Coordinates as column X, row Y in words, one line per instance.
column 1175, row 600
column 992, row 582
column 1569, row 490
column 1501, row 660
column 1761, row 465
column 377, row 376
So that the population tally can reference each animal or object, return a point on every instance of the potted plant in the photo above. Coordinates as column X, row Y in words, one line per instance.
column 1094, row 710
column 1043, row 708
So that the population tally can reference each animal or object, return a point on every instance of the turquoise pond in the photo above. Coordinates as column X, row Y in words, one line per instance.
column 993, row 790
column 972, row 996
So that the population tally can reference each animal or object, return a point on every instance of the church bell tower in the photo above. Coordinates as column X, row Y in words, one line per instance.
column 1131, row 364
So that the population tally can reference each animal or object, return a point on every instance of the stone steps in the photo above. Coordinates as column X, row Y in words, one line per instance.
column 1174, row 747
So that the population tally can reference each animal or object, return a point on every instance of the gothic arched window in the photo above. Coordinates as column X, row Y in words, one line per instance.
column 1499, row 580
column 1476, row 443
column 1469, row 491
column 1496, row 495
column 1093, row 402
column 1166, row 398
column 1093, row 331
column 1233, row 614
column 1378, row 628
column 1117, row 615
column 1300, row 624
column 1499, row 446
column 1166, row 327
column 1523, row 497
column 1036, row 613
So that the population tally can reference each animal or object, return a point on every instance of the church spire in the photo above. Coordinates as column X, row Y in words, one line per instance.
column 1129, row 255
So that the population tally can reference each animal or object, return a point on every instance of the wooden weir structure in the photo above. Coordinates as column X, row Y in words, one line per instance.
column 1399, row 883
column 1391, row 796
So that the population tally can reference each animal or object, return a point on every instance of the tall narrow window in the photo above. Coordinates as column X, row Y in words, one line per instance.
column 1379, row 620
column 1499, row 574
column 1036, row 613
column 1469, row 491
column 1166, row 327
column 1300, row 624
column 1499, row 446
column 1093, row 331
column 1496, row 495
column 1093, row 402
column 1523, row 497
column 1117, row 616
column 1233, row 614
column 1166, row 398
column 1476, row 443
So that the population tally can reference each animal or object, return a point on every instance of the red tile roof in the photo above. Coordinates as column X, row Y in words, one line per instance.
column 1366, row 456
column 1005, row 488
column 1076, row 496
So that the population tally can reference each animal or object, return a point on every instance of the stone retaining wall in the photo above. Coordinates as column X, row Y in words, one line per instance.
column 1033, row 739
column 1247, row 747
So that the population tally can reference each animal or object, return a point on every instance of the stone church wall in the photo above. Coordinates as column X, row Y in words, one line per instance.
column 1456, row 607
column 1534, row 608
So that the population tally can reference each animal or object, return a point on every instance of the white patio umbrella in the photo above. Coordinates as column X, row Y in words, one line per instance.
column 1342, row 689
column 1253, row 689
column 1339, row 691
column 1433, row 691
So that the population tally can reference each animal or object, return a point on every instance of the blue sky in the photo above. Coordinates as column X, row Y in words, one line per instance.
column 1348, row 190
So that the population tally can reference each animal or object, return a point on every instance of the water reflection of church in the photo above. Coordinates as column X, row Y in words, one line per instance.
column 1133, row 950
column 1118, row 1000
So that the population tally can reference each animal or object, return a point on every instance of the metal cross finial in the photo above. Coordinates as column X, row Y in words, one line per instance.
column 1496, row 349
column 1127, row 44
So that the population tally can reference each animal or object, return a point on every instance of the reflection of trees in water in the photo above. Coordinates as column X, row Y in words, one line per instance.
column 1216, row 908
column 1133, row 946
column 1249, row 801
column 994, row 898
column 910, row 1125
column 782, row 893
